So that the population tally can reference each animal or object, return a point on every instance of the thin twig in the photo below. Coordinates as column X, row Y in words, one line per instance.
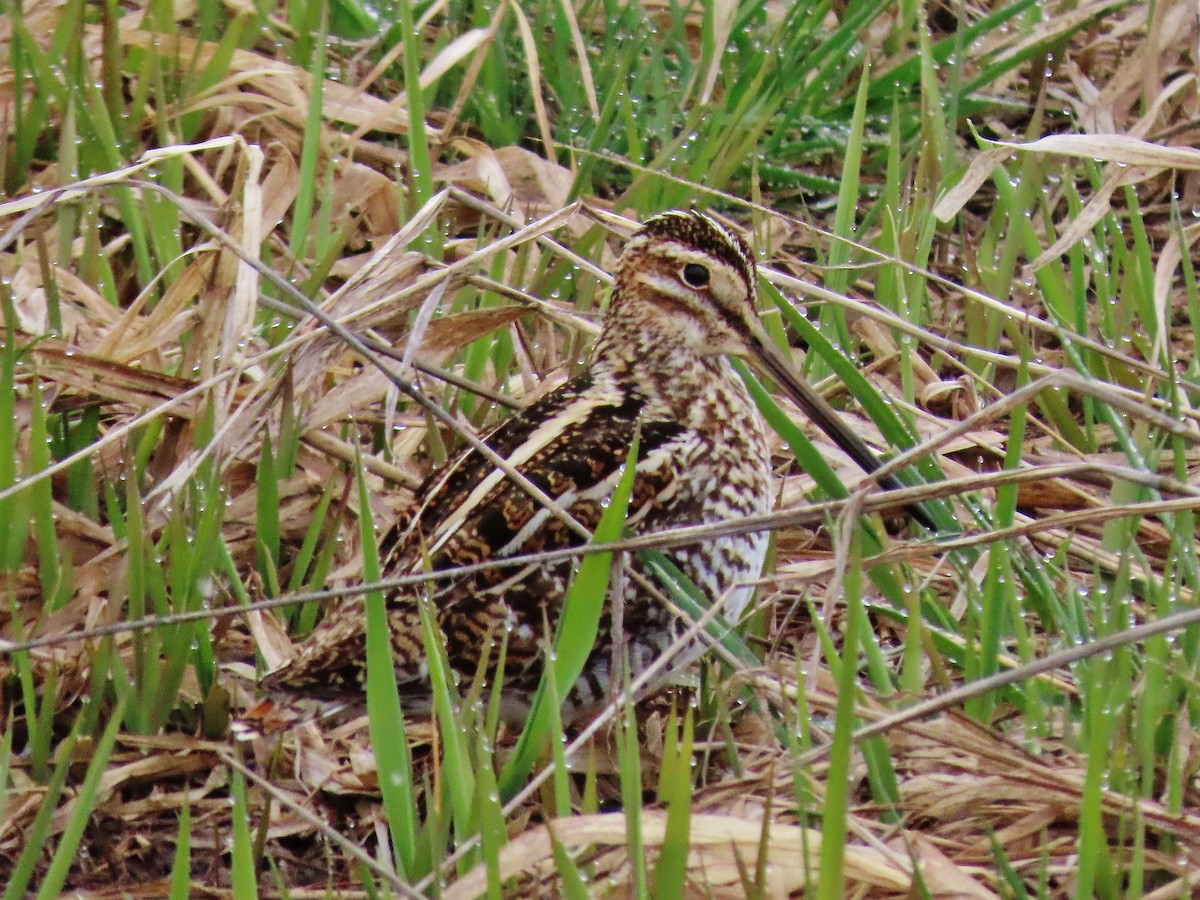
column 329, row 833
column 691, row 534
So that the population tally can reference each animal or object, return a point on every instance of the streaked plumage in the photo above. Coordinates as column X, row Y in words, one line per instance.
column 683, row 301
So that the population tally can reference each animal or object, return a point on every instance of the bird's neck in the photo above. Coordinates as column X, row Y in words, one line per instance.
column 675, row 382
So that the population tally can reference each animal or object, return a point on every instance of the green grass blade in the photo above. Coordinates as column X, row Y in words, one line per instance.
column 562, row 775
column 890, row 426
column 577, row 629
column 460, row 783
column 675, row 789
column 885, row 786
column 228, row 37
column 489, row 814
column 309, row 153
column 999, row 586
column 571, row 882
column 267, row 505
column 419, row 163
column 40, row 702
column 684, row 593
column 81, row 812
column 243, row 880
column 629, row 763
column 303, row 559
column 834, row 821
column 50, row 565
column 14, row 513
column 386, row 722
column 6, row 739
column 37, row 836
column 837, row 279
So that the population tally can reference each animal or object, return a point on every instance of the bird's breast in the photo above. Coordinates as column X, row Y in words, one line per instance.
column 717, row 473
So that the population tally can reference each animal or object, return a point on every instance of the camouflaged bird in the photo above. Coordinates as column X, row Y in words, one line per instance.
column 684, row 300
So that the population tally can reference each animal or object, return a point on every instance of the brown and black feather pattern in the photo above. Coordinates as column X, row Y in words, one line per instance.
column 703, row 457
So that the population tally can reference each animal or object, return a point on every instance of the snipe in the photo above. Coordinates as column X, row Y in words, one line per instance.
column 683, row 302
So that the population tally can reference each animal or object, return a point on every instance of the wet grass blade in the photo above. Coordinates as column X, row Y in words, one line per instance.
column 571, row 883
column 244, row 882
column 81, row 812
column 305, row 197
column 577, row 629
column 181, row 868
column 389, row 739
column 37, row 835
column 692, row 601
column 460, row 782
column 14, row 518
column 890, row 426
column 305, row 616
column 267, row 505
column 834, row 822
column 629, row 765
column 675, row 789
column 50, row 563
column 418, row 142
column 5, row 761
column 488, row 811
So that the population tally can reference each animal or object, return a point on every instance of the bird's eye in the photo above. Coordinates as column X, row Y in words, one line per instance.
column 695, row 275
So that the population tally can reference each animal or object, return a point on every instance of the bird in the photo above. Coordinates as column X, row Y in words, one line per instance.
column 683, row 303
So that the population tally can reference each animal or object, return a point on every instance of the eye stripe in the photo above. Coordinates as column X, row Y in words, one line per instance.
column 668, row 285
column 696, row 231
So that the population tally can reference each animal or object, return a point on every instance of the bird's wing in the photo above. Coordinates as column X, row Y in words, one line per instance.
column 571, row 444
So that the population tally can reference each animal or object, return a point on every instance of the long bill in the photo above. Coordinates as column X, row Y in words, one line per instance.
column 767, row 359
